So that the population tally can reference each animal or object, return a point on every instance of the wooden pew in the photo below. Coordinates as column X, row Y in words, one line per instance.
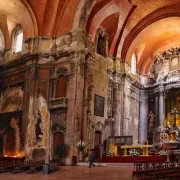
column 36, row 166
column 53, row 166
column 161, row 171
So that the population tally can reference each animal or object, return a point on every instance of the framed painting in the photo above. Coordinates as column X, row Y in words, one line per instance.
column 99, row 105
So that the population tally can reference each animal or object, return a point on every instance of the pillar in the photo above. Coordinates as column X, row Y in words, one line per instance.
column 156, row 110
column 143, row 116
column 161, row 107
column 116, row 111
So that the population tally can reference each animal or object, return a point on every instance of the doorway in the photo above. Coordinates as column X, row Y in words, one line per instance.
column 58, row 139
column 97, row 144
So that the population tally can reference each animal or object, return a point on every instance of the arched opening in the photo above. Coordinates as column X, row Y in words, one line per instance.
column 61, row 87
column 2, row 43
column 133, row 64
column 18, row 40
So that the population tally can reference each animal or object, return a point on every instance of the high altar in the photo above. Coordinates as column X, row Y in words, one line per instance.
column 169, row 134
column 123, row 146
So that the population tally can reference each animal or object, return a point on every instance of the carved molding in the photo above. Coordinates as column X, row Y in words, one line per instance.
column 61, row 71
column 58, row 128
column 165, row 67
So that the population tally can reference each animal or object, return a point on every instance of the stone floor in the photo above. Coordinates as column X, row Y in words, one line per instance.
column 77, row 172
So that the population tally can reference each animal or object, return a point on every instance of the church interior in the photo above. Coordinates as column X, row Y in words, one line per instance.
column 77, row 75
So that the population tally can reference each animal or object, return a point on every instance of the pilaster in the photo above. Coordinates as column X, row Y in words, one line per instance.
column 143, row 116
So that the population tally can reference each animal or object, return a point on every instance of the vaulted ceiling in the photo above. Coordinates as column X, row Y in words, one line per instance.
column 134, row 26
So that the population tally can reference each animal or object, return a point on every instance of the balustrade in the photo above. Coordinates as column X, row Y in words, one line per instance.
column 58, row 102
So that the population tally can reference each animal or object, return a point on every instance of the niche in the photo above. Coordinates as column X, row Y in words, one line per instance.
column 102, row 42
column 61, row 87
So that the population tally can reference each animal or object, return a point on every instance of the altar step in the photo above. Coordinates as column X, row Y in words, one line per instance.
column 133, row 159
column 100, row 164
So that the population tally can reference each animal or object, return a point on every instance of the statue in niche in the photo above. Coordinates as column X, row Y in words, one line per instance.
column 38, row 127
column 102, row 42
column 151, row 120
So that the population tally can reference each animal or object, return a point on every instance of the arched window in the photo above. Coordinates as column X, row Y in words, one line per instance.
column 2, row 43
column 18, row 40
column 61, row 87
column 133, row 64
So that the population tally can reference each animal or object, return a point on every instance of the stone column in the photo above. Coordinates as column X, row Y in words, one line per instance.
column 156, row 110
column 161, row 107
column 143, row 116
column 116, row 110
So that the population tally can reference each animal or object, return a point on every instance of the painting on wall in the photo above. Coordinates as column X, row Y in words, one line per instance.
column 99, row 105
column 12, row 99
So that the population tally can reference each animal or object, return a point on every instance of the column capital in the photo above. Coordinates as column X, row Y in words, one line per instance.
column 143, row 91
column 160, row 91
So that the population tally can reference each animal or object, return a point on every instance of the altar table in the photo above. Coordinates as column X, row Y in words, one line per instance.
column 145, row 148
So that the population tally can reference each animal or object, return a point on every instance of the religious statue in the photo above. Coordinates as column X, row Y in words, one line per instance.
column 39, row 128
column 102, row 42
column 151, row 120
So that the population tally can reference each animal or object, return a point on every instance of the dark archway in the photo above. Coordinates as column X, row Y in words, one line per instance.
column 61, row 87
column 58, row 139
column 97, row 143
column 10, row 142
column 1, row 145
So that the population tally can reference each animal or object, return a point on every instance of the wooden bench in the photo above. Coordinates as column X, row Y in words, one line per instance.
column 156, row 171
column 36, row 167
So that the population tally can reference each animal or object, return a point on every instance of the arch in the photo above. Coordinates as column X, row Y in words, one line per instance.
column 58, row 128
column 83, row 11
column 17, row 37
column 67, row 18
column 49, row 18
column 162, row 13
column 98, row 18
column 144, row 68
column 26, row 4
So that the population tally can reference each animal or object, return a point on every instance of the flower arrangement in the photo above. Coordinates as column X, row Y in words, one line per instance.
column 109, row 154
column 163, row 153
column 134, row 152
column 80, row 145
column 87, row 159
